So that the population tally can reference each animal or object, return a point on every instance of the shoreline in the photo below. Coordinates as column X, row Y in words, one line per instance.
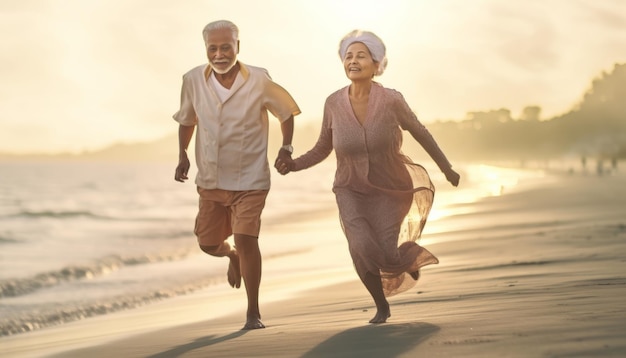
column 539, row 272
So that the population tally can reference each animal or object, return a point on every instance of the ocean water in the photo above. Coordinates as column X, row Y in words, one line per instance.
column 80, row 239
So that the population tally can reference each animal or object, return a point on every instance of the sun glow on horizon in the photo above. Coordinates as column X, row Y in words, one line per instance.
column 479, row 182
column 78, row 77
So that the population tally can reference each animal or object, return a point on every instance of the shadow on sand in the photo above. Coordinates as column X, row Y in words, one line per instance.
column 197, row 344
column 385, row 340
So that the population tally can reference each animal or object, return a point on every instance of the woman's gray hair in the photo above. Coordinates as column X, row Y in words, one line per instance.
column 219, row 25
column 374, row 44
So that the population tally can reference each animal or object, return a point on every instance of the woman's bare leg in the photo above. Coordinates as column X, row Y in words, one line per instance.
column 375, row 288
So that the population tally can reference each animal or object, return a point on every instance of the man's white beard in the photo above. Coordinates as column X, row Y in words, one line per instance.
column 221, row 72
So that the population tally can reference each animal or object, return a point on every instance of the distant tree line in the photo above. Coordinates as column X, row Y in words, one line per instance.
column 595, row 128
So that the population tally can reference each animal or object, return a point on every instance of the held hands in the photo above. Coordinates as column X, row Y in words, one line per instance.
column 284, row 164
column 453, row 177
column 182, row 169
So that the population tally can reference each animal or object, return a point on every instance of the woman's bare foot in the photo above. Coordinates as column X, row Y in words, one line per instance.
column 381, row 316
column 253, row 323
column 374, row 286
column 234, row 271
column 382, row 313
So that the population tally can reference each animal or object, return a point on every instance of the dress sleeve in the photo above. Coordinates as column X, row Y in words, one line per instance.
column 409, row 122
column 322, row 148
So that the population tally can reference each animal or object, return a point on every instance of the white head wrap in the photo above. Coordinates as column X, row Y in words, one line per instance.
column 373, row 43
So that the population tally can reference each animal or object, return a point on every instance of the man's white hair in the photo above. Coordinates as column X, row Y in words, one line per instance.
column 219, row 25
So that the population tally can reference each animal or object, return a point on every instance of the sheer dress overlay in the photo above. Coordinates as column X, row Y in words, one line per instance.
column 383, row 197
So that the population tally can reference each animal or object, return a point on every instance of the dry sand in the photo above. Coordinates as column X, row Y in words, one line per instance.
column 535, row 273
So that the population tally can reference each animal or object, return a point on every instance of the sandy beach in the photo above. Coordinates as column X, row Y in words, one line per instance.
column 539, row 272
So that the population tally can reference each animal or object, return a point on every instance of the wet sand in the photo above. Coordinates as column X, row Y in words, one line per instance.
column 538, row 272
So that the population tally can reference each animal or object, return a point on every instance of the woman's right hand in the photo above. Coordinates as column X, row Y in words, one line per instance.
column 453, row 177
column 284, row 164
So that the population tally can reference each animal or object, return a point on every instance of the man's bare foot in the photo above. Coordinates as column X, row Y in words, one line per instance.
column 234, row 271
column 253, row 323
column 381, row 316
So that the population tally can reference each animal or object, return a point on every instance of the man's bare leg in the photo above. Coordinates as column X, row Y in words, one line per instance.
column 375, row 288
column 234, row 271
column 250, row 263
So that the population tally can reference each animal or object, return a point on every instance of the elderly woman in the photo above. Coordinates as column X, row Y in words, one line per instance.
column 383, row 197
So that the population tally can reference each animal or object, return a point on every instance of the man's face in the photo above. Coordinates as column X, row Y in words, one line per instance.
column 222, row 50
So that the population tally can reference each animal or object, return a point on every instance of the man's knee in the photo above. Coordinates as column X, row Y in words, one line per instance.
column 243, row 242
column 213, row 250
column 245, row 238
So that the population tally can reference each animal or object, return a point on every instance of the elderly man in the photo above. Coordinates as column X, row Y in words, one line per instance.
column 228, row 102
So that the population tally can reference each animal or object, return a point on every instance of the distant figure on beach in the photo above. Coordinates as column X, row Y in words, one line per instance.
column 228, row 102
column 599, row 167
column 383, row 197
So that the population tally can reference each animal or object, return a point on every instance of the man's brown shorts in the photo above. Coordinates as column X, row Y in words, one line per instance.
column 223, row 212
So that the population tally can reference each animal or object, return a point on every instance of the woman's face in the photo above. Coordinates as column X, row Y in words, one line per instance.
column 358, row 63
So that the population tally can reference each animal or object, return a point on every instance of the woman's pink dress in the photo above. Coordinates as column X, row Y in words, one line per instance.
column 383, row 197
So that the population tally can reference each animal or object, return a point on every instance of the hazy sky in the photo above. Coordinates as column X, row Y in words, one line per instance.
column 82, row 74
